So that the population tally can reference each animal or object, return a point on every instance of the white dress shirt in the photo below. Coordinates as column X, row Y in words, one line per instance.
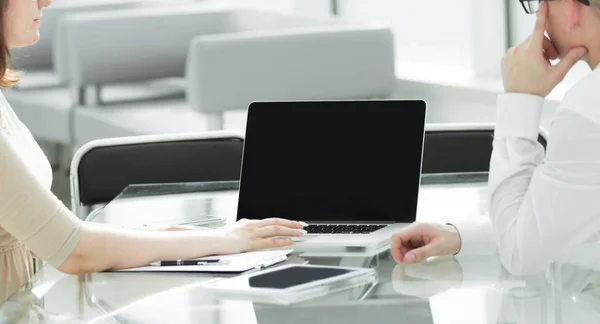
column 541, row 206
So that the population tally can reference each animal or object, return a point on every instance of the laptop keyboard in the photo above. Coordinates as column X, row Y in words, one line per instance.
column 342, row 229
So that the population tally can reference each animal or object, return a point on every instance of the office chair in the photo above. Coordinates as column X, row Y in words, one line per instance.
column 461, row 150
column 101, row 169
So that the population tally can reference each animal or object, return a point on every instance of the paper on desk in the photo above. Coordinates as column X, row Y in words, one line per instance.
column 236, row 263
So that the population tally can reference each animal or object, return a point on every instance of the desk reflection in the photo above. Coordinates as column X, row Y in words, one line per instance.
column 441, row 290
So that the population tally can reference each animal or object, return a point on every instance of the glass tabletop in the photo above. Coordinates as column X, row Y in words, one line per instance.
column 215, row 203
column 441, row 290
column 195, row 203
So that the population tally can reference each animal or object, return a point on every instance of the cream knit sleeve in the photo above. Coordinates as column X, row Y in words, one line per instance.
column 31, row 213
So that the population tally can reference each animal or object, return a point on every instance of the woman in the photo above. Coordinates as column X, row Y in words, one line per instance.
column 33, row 220
column 541, row 205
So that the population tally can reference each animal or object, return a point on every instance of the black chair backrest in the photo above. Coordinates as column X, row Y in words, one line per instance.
column 104, row 171
column 459, row 151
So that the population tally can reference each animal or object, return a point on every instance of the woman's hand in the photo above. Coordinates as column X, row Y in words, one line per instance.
column 250, row 235
column 131, row 248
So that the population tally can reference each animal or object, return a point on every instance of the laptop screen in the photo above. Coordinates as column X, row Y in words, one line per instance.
column 332, row 161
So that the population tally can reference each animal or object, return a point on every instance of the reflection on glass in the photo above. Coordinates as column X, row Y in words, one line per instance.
column 200, row 204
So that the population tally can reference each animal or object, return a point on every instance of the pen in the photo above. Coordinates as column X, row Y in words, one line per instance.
column 185, row 262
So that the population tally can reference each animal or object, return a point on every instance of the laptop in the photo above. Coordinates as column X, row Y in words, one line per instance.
column 350, row 169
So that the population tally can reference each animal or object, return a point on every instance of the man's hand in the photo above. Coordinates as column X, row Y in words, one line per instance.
column 526, row 68
column 420, row 241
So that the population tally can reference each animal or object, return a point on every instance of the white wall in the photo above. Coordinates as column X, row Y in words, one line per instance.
column 424, row 33
column 460, row 35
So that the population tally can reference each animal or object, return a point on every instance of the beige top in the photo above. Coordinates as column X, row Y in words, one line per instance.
column 31, row 217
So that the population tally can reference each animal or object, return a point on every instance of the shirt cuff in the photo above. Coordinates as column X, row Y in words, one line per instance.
column 476, row 237
column 518, row 115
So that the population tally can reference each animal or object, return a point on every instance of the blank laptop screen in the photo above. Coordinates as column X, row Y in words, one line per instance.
column 332, row 161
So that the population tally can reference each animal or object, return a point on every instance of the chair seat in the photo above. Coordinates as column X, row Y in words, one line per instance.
column 145, row 118
column 46, row 111
column 38, row 79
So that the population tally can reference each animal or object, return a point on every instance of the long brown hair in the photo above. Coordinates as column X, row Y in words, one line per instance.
column 8, row 77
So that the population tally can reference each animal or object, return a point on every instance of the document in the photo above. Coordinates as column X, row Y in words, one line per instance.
column 234, row 263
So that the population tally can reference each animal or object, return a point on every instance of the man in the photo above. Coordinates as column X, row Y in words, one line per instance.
column 540, row 206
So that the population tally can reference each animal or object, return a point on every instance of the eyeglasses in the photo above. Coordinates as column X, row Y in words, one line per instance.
column 532, row 6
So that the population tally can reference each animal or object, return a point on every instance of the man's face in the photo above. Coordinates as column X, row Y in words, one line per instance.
column 561, row 25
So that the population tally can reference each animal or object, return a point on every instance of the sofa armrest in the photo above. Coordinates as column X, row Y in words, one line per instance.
column 129, row 45
column 229, row 71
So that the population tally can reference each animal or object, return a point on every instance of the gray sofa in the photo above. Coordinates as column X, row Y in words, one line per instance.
column 39, row 99
column 197, row 65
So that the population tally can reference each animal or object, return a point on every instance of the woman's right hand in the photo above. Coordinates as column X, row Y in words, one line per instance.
column 251, row 235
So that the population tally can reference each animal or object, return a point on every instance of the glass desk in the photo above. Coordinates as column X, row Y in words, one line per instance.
column 202, row 204
column 442, row 290
column 442, row 198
